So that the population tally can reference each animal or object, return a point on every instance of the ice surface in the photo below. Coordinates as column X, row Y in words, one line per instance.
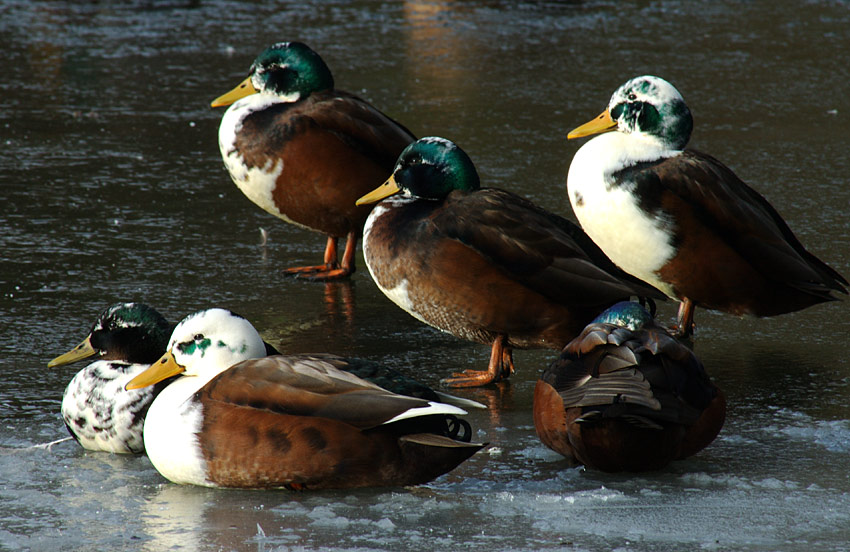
column 91, row 138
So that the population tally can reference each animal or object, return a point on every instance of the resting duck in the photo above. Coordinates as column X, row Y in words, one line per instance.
column 234, row 418
column 304, row 151
column 98, row 412
column 482, row 263
column 680, row 219
column 627, row 396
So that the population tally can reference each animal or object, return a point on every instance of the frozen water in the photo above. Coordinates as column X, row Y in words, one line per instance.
column 97, row 103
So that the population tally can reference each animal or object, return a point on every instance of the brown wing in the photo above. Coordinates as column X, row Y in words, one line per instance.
column 359, row 125
column 712, row 194
column 354, row 122
column 310, row 386
column 545, row 252
column 644, row 375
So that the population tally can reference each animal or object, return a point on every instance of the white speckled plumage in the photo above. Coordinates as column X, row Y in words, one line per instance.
column 100, row 413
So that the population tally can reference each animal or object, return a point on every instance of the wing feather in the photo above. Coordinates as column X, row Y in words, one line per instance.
column 314, row 385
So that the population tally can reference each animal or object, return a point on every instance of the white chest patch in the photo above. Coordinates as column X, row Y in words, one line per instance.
column 257, row 183
column 374, row 215
column 636, row 241
column 171, row 429
column 400, row 297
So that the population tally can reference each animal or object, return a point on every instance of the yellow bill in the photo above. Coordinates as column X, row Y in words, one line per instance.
column 162, row 369
column 386, row 189
column 602, row 123
column 245, row 88
column 81, row 351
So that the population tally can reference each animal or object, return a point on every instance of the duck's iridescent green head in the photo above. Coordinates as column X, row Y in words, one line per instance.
column 433, row 167
column 651, row 105
column 287, row 68
column 429, row 168
column 628, row 314
column 130, row 315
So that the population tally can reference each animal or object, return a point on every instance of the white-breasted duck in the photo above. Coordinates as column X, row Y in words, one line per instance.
column 236, row 418
column 680, row 219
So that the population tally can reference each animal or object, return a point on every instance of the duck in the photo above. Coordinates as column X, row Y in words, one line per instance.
column 626, row 395
column 98, row 412
column 683, row 221
column 236, row 418
column 484, row 264
column 304, row 151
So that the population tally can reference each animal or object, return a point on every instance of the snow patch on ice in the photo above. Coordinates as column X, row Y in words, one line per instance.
column 833, row 435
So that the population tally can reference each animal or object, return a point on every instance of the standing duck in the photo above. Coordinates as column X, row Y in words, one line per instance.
column 627, row 396
column 680, row 219
column 236, row 418
column 482, row 263
column 98, row 412
column 304, row 151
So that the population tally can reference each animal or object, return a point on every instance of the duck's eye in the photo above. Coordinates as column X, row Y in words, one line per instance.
column 632, row 96
column 199, row 337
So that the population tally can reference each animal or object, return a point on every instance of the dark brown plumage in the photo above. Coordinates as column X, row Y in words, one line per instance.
column 734, row 252
column 307, row 432
column 485, row 264
column 619, row 399
column 330, row 147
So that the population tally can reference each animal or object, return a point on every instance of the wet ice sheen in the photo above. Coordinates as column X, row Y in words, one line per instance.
column 99, row 100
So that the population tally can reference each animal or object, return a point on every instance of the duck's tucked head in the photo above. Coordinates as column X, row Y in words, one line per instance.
column 429, row 168
column 133, row 332
column 627, row 314
column 125, row 321
column 645, row 105
column 204, row 344
column 290, row 70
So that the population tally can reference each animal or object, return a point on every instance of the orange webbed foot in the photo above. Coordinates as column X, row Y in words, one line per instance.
column 319, row 273
column 501, row 367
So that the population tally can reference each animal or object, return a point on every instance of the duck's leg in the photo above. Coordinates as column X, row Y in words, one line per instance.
column 331, row 270
column 507, row 361
column 501, row 366
column 347, row 266
column 685, row 319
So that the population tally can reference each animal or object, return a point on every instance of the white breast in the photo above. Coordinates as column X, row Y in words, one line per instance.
column 257, row 183
column 171, row 430
column 637, row 242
